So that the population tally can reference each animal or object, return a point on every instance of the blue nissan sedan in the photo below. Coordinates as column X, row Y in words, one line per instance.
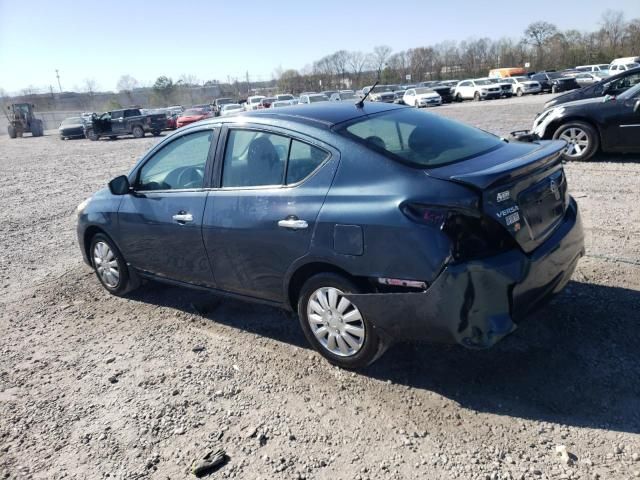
column 374, row 222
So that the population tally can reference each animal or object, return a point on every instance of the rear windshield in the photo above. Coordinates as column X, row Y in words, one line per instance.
column 193, row 111
column 419, row 138
column 72, row 121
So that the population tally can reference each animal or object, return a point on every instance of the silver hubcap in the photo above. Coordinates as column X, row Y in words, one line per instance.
column 335, row 322
column 106, row 264
column 577, row 141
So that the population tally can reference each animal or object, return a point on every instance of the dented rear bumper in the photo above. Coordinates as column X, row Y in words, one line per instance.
column 477, row 303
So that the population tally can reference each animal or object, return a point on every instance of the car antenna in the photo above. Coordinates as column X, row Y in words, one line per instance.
column 360, row 104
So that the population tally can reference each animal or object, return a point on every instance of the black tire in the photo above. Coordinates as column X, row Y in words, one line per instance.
column 519, row 92
column 11, row 130
column 113, row 137
column 593, row 140
column 372, row 346
column 138, row 131
column 37, row 129
column 554, row 89
column 91, row 135
column 124, row 284
column 63, row 138
column 476, row 96
column 156, row 133
column 417, row 105
column 458, row 97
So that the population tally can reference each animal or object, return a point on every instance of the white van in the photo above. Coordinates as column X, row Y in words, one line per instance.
column 622, row 64
column 600, row 68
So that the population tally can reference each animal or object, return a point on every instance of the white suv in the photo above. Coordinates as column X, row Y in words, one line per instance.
column 421, row 97
column 522, row 85
column 253, row 102
column 478, row 89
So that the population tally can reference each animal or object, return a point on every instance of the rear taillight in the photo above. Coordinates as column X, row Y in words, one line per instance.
column 472, row 234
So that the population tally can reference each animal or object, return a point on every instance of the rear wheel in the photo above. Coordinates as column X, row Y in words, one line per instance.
column 156, row 133
column 109, row 265
column 334, row 326
column 138, row 131
column 476, row 96
column 11, row 130
column 113, row 137
column 582, row 140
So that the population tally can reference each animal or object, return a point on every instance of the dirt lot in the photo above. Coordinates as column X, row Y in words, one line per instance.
column 93, row 386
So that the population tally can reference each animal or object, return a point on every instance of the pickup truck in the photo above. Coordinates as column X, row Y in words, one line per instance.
column 218, row 103
column 128, row 121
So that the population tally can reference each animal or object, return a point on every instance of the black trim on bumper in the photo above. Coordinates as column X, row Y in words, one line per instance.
column 477, row 303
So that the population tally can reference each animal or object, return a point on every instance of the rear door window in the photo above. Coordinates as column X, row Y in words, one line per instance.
column 256, row 158
column 303, row 160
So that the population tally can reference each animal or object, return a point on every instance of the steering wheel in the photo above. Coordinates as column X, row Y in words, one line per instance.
column 190, row 177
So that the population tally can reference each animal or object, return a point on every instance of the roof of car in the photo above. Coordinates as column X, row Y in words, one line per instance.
column 325, row 114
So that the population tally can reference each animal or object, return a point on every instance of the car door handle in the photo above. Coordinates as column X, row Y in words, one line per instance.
column 293, row 223
column 183, row 217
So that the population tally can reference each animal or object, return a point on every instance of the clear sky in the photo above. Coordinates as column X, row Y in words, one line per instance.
column 215, row 39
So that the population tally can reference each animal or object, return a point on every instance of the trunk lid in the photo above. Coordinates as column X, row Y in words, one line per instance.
column 522, row 187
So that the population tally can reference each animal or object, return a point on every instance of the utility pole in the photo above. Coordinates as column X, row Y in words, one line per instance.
column 248, row 84
column 58, row 77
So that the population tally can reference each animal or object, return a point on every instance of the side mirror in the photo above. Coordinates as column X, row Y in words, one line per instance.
column 636, row 107
column 120, row 185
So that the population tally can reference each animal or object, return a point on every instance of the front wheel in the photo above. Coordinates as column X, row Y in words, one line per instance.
column 417, row 105
column 91, row 135
column 11, row 130
column 138, row 131
column 156, row 133
column 554, row 89
column 476, row 96
column 519, row 92
column 109, row 265
column 582, row 140
column 334, row 326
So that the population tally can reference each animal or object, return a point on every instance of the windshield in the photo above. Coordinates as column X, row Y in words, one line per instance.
column 347, row 96
column 554, row 75
column 193, row 111
column 483, row 82
column 317, row 98
column 285, row 97
column 72, row 121
column 383, row 88
column 521, row 79
column 632, row 65
column 633, row 92
column 419, row 138
column 423, row 90
column 255, row 100
column 603, row 67
column 224, row 101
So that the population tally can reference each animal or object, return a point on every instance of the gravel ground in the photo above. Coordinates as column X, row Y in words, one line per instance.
column 94, row 386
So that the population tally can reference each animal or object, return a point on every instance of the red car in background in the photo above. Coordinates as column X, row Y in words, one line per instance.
column 192, row 115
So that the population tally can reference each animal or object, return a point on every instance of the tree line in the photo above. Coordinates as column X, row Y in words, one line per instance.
column 542, row 45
